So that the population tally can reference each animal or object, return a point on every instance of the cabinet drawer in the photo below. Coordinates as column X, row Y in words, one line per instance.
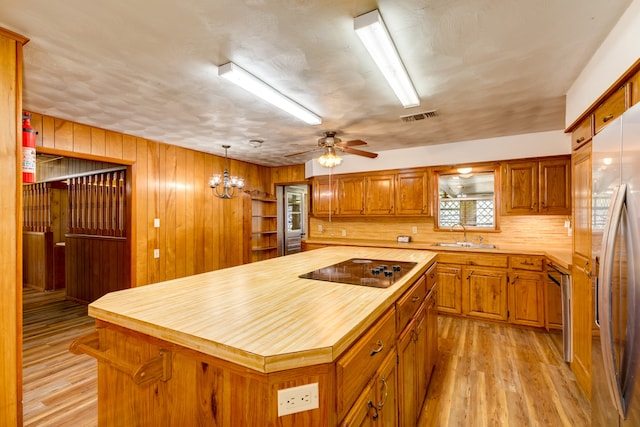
column 432, row 277
column 409, row 303
column 470, row 258
column 610, row 109
column 523, row 262
column 582, row 133
column 358, row 365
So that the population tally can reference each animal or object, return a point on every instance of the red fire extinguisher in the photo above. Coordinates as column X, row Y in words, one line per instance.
column 28, row 149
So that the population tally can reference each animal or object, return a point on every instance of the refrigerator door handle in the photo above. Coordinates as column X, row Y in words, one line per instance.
column 609, row 238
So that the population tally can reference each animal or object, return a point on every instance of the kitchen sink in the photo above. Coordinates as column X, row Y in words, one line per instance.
column 465, row 245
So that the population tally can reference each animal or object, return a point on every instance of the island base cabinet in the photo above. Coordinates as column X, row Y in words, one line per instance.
column 195, row 389
column 377, row 405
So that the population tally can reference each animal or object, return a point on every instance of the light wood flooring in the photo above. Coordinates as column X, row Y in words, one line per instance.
column 59, row 388
column 496, row 375
column 487, row 374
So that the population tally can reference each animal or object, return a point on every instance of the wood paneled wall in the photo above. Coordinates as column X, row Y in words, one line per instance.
column 98, row 266
column 37, row 260
column 169, row 183
column 11, row 228
column 539, row 230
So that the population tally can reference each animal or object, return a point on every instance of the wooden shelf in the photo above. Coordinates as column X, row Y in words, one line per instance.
column 267, row 248
column 264, row 227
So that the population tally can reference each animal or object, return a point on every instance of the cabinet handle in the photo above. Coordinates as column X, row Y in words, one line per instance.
column 579, row 140
column 586, row 270
column 415, row 299
column 527, row 263
column 386, row 392
column 469, row 276
column 605, row 119
column 370, row 405
column 377, row 350
column 391, row 209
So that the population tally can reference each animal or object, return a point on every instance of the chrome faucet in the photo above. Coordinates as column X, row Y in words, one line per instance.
column 464, row 231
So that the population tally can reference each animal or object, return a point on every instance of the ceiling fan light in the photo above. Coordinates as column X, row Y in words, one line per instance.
column 250, row 83
column 375, row 37
column 329, row 159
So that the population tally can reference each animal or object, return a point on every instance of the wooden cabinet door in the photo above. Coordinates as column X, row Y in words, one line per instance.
column 380, row 190
column 422, row 365
column 449, row 288
column 324, row 199
column 432, row 331
column 486, row 293
column 581, row 320
column 412, row 193
column 378, row 404
column 407, row 375
column 520, row 188
column 351, row 196
column 581, row 177
column 553, row 306
column 526, row 298
column 555, row 187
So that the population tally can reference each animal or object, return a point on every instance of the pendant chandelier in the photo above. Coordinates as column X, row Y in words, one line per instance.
column 226, row 186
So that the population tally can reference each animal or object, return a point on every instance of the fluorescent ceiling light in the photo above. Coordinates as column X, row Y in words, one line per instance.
column 375, row 37
column 249, row 82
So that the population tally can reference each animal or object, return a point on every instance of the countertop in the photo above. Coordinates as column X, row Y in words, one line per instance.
column 261, row 315
column 560, row 256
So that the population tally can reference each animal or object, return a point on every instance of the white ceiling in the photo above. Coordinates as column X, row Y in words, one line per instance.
column 489, row 67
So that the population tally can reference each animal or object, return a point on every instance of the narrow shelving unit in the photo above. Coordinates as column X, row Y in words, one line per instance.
column 264, row 227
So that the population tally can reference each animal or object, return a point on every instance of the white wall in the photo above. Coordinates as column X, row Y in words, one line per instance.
column 501, row 148
column 620, row 49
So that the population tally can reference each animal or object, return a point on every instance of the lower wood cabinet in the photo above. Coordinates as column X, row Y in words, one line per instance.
column 412, row 353
column 377, row 405
column 493, row 287
column 450, row 284
column 526, row 299
column 485, row 293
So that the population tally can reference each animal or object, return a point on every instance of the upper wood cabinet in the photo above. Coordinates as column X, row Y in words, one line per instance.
column 324, row 200
column 611, row 108
column 412, row 193
column 537, row 187
column 380, row 194
column 634, row 89
column 351, row 195
column 373, row 194
column 582, row 134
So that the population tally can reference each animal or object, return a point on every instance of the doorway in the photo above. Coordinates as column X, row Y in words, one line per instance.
column 293, row 202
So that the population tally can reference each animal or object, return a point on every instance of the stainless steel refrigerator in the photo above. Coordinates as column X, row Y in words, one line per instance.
column 616, row 255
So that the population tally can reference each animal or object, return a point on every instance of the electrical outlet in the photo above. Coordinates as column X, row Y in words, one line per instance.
column 344, row 233
column 414, row 229
column 156, row 222
column 319, row 228
column 156, row 253
column 298, row 399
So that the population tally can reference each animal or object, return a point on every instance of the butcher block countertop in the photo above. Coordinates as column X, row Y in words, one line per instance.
column 261, row 315
column 559, row 255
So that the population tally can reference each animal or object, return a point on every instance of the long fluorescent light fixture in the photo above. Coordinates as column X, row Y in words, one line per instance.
column 375, row 37
column 251, row 83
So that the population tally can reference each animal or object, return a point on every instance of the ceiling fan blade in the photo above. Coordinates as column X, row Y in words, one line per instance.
column 358, row 152
column 300, row 153
column 351, row 143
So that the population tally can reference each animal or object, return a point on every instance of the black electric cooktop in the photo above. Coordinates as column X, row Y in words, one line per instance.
column 363, row 272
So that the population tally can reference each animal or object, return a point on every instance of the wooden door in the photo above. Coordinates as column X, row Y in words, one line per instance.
column 520, row 188
column 486, row 293
column 526, row 298
column 450, row 288
column 555, row 186
column 351, row 196
column 581, row 320
column 412, row 193
column 380, row 190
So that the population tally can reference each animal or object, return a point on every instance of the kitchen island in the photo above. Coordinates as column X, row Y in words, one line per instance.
column 215, row 348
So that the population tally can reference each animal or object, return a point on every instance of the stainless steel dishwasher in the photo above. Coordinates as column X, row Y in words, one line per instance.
column 557, row 276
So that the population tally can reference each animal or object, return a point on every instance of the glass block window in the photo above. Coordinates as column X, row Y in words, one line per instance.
column 474, row 213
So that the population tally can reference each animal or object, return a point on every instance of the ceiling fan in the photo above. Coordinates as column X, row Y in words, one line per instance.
column 329, row 143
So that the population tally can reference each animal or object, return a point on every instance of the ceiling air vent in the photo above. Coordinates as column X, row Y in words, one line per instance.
column 419, row 116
